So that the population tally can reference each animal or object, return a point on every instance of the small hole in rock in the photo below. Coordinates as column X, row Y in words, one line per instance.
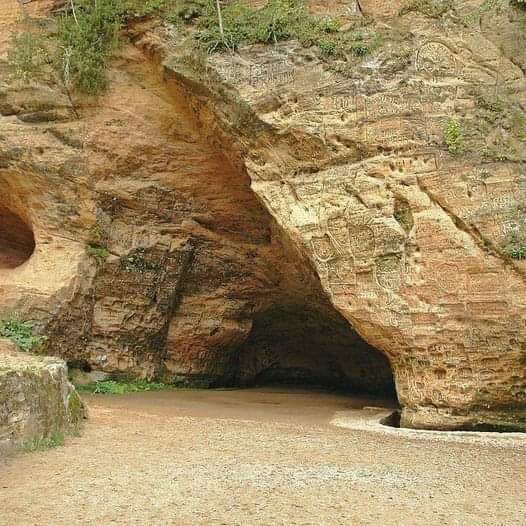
column 17, row 242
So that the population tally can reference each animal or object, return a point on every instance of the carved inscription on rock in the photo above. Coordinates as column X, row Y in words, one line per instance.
column 363, row 241
column 435, row 59
column 389, row 272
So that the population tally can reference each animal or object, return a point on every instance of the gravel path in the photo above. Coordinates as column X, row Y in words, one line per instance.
column 257, row 457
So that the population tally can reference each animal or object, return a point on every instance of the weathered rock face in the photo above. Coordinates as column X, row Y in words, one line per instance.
column 36, row 400
column 412, row 244
column 381, row 8
column 192, row 256
column 271, row 214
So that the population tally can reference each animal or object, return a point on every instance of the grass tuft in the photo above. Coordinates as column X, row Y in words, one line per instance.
column 43, row 443
column 98, row 252
column 112, row 387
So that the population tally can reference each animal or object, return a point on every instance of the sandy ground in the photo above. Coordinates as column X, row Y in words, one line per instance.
column 258, row 457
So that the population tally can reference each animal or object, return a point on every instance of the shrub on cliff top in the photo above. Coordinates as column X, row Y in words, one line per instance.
column 278, row 20
column 86, row 36
column 87, row 33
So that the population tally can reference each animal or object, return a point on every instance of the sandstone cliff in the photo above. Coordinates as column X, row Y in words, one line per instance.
column 270, row 213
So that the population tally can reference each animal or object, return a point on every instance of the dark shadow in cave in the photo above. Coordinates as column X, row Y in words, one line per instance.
column 311, row 347
column 17, row 242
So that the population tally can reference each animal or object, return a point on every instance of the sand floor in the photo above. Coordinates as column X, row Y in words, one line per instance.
column 258, row 457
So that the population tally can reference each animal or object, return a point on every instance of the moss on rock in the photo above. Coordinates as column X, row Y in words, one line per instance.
column 37, row 403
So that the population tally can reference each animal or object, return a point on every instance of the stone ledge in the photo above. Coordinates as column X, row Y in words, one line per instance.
column 374, row 420
column 36, row 400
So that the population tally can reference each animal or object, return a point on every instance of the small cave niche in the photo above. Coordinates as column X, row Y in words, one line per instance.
column 17, row 241
column 312, row 347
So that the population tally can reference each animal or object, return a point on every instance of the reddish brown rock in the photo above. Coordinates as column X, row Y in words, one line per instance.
column 271, row 216
column 413, row 244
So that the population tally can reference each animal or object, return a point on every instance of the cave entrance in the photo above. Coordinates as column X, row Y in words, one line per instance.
column 312, row 347
column 17, row 242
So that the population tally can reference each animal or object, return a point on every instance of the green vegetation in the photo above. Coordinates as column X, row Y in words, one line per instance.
column 28, row 55
column 96, row 247
column 86, row 36
column 279, row 20
column 98, row 235
column 453, row 137
column 515, row 246
column 98, row 252
column 40, row 444
column 20, row 332
column 516, row 252
column 89, row 32
column 432, row 8
column 515, row 241
column 113, row 387
column 75, row 407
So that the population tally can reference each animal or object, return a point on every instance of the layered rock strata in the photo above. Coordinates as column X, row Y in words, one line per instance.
column 414, row 239
column 153, row 258
column 244, row 199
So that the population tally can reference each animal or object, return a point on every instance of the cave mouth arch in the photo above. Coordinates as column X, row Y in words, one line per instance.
column 311, row 347
column 17, row 241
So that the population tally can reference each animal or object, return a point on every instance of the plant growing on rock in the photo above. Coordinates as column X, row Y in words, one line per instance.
column 88, row 31
column 516, row 245
column 28, row 55
column 20, row 332
column 43, row 443
column 86, row 35
column 99, row 252
column 453, row 137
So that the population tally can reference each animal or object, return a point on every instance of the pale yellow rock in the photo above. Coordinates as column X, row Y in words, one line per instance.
column 411, row 243
column 293, row 208
column 382, row 8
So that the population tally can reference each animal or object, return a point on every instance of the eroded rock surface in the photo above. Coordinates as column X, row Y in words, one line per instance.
column 153, row 256
column 36, row 400
column 274, row 189
column 413, row 245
